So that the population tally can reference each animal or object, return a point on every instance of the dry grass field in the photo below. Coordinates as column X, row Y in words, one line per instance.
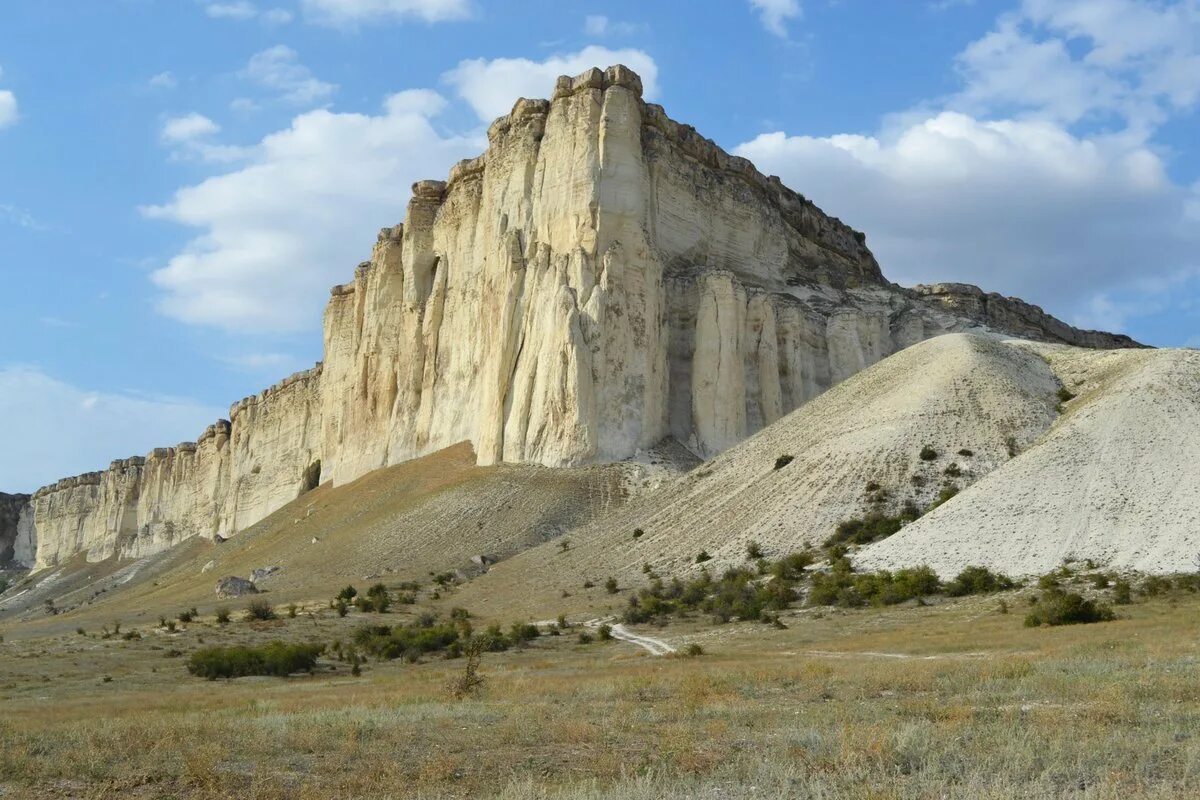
column 950, row 700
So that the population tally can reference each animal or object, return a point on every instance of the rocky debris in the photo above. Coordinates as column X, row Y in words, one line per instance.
column 208, row 567
column 262, row 573
column 233, row 586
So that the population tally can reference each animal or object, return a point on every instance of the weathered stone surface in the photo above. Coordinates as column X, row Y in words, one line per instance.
column 233, row 586
column 17, row 540
column 600, row 279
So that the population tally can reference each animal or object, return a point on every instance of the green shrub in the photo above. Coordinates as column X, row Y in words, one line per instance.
column 944, row 496
column 1122, row 593
column 638, row 533
column 341, row 607
column 275, row 658
column 871, row 528
column 189, row 615
column 783, row 461
column 1101, row 581
column 1154, row 585
column 1065, row 395
column 259, row 610
column 928, row 453
column 1056, row 607
column 610, row 586
column 952, row 470
column 965, row 453
column 605, row 632
column 223, row 615
column 585, row 637
column 703, row 556
column 753, row 550
column 347, row 594
column 693, row 650
column 978, row 580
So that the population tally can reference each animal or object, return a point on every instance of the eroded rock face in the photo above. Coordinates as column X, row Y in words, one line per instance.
column 600, row 279
column 17, row 542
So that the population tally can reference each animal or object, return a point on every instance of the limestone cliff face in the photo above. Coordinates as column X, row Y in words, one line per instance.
column 235, row 474
column 600, row 279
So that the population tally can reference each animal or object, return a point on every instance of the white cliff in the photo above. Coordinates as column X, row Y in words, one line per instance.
column 600, row 279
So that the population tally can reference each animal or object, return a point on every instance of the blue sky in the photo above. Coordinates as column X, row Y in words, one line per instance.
column 181, row 180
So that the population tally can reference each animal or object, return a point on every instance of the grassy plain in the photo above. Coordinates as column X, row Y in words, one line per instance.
column 950, row 700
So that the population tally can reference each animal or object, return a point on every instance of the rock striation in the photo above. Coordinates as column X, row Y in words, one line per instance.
column 602, row 278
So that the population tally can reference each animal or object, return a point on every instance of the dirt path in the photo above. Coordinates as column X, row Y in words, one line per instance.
column 655, row 647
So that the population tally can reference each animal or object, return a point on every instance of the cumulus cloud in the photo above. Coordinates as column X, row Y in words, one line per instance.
column 352, row 12
column 492, row 86
column 776, row 13
column 275, row 234
column 279, row 69
column 191, row 136
column 66, row 430
column 188, row 128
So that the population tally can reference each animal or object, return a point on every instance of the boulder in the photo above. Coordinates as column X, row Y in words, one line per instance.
column 233, row 586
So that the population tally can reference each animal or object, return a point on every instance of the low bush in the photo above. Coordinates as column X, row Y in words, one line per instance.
column 189, row 615
column 610, row 586
column 978, row 580
column 347, row 594
column 872, row 527
column 375, row 600
column 703, row 556
column 223, row 615
column 1122, row 593
column 605, row 632
column 275, row 658
column 1065, row 395
column 1057, row 607
column 259, row 610
column 841, row 586
column 783, row 461
column 928, row 453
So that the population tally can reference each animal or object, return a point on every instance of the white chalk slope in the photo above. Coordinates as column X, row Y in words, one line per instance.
column 1116, row 479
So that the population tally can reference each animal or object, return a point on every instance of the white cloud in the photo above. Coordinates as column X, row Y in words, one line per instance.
column 190, row 136
column 352, row 12
column 21, row 218
column 599, row 25
column 776, row 13
column 66, row 430
column 163, row 80
column 277, row 233
column 1072, row 60
column 492, row 86
column 8, row 109
column 234, row 10
column 188, row 128
column 1020, row 207
column 279, row 69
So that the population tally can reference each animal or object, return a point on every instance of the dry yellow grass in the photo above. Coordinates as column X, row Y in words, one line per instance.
column 951, row 700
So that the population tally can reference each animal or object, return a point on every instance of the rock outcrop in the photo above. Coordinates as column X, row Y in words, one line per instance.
column 1015, row 316
column 601, row 279
column 17, row 541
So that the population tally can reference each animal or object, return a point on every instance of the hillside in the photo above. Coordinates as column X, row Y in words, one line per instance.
column 1113, row 481
column 404, row 523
